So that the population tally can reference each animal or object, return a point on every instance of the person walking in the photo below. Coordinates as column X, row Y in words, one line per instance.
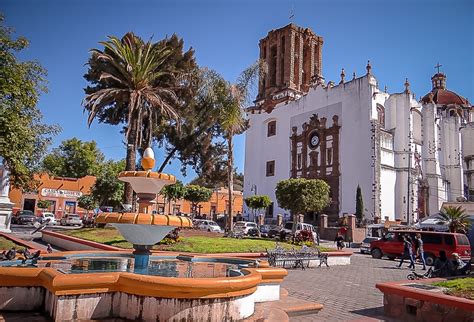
column 419, row 250
column 407, row 251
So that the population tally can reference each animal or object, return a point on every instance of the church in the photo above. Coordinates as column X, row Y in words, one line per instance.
column 408, row 156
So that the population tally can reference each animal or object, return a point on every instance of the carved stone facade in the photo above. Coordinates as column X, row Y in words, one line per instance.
column 315, row 155
column 293, row 57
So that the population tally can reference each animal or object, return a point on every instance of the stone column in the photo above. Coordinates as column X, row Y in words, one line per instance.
column 351, row 222
column 300, row 218
column 5, row 204
column 280, row 220
column 323, row 223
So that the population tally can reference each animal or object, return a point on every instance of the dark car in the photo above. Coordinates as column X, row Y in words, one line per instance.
column 24, row 217
column 274, row 231
column 265, row 229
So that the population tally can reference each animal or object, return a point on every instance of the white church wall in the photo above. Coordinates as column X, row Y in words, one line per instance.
column 354, row 99
column 388, row 179
column 451, row 149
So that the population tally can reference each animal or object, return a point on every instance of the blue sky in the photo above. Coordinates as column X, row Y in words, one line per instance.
column 401, row 39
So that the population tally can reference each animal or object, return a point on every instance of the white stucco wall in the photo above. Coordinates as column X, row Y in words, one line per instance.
column 353, row 103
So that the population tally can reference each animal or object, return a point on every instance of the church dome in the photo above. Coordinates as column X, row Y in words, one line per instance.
column 440, row 95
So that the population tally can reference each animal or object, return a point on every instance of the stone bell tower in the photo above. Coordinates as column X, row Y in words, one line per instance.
column 293, row 57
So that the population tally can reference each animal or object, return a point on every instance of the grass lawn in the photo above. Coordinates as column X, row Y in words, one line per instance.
column 461, row 287
column 194, row 244
column 6, row 243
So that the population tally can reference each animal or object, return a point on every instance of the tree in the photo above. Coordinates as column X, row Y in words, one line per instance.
column 195, row 144
column 302, row 195
column 258, row 202
column 455, row 218
column 173, row 192
column 196, row 194
column 231, row 98
column 87, row 202
column 125, row 76
column 74, row 159
column 108, row 189
column 23, row 138
column 218, row 178
column 359, row 205
column 43, row 204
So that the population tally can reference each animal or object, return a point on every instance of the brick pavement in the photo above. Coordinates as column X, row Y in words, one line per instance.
column 348, row 293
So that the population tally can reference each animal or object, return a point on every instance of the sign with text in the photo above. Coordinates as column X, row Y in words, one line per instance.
column 46, row 192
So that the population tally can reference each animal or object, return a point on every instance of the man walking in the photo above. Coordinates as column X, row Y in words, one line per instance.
column 419, row 250
column 407, row 251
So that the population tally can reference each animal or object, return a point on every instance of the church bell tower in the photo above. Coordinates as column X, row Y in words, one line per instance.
column 293, row 60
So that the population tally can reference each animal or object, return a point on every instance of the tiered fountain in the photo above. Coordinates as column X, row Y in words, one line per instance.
column 140, row 285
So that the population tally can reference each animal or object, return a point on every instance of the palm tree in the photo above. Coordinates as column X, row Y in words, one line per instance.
column 125, row 76
column 455, row 218
column 233, row 121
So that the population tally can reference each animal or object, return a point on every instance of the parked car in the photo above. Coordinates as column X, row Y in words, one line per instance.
column 391, row 245
column 265, row 229
column 48, row 216
column 365, row 245
column 24, row 217
column 288, row 229
column 274, row 231
column 244, row 227
column 209, row 225
column 71, row 220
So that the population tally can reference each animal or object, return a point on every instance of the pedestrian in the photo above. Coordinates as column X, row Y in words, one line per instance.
column 407, row 251
column 339, row 240
column 49, row 249
column 443, row 267
column 459, row 266
column 419, row 251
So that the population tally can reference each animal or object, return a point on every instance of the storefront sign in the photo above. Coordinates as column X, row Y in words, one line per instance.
column 46, row 192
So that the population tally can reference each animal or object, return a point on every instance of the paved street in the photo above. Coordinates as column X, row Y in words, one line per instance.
column 347, row 292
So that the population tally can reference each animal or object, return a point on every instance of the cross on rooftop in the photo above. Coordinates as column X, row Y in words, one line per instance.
column 438, row 66
column 292, row 13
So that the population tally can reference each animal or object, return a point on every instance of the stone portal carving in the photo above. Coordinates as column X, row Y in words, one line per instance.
column 315, row 155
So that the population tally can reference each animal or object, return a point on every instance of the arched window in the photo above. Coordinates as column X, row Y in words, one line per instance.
column 381, row 115
column 271, row 128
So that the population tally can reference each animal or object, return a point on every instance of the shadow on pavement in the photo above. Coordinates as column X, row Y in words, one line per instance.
column 375, row 313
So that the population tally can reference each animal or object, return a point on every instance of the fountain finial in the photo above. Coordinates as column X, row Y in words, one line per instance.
column 148, row 160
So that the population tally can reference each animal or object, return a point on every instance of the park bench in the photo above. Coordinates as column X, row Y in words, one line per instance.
column 292, row 258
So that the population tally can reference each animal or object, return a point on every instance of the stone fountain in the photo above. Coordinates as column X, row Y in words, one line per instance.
column 144, row 230
column 95, row 285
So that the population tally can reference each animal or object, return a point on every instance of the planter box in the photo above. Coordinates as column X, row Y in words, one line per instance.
column 420, row 301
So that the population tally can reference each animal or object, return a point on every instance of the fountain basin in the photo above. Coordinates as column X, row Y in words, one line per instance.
column 121, row 294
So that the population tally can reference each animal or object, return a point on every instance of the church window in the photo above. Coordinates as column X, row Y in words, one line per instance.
column 273, row 65
column 270, row 168
column 451, row 113
column 329, row 156
column 298, row 166
column 381, row 115
column 271, row 128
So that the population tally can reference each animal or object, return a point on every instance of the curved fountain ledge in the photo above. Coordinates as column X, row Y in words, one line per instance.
column 93, row 287
column 134, row 296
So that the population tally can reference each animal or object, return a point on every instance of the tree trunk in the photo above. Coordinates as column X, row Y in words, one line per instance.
column 230, row 177
column 168, row 158
column 130, row 166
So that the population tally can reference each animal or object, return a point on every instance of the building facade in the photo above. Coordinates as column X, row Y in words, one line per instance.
column 407, row 156
column 61, row 192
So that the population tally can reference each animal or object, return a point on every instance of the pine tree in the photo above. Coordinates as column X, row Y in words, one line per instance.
column 359, row 205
